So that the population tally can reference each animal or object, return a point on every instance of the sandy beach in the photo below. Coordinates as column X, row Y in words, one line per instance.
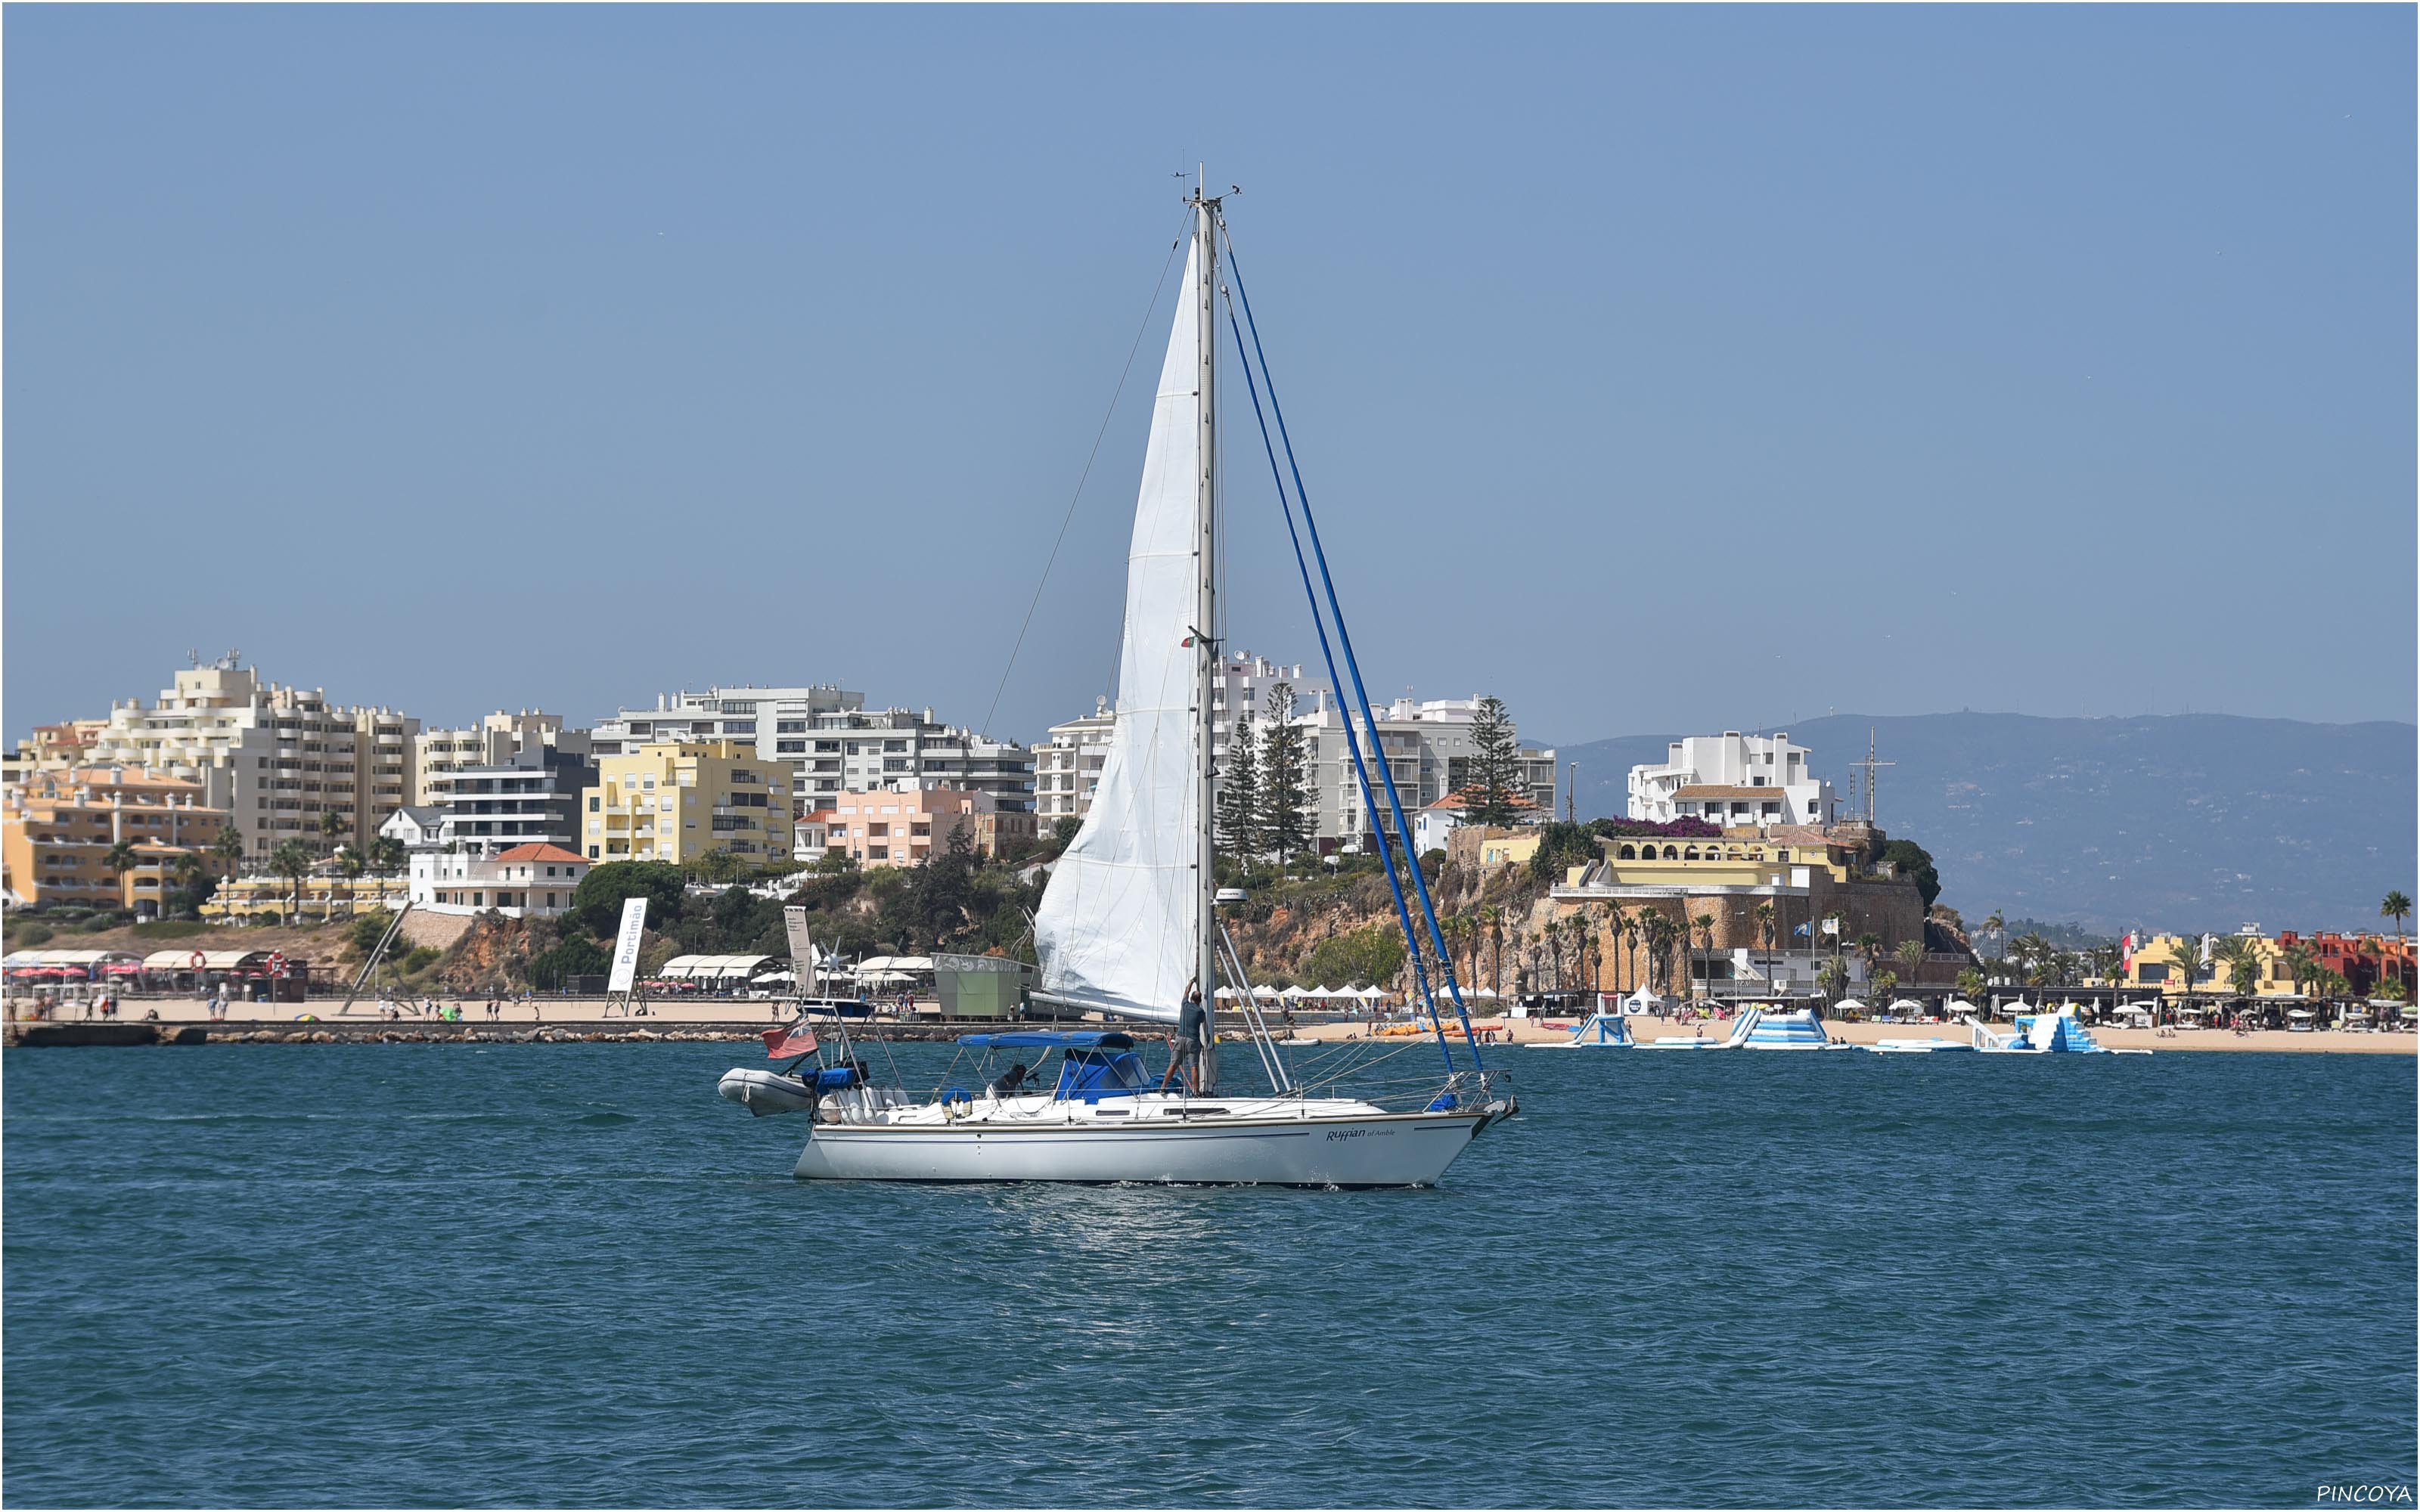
column 1522, row 1031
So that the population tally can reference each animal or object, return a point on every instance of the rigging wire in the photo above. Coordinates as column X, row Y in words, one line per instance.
column 1089, row 458
column 1353, row 744
column 1419, row 882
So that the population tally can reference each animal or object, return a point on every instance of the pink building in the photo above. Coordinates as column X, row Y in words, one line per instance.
column 894, row 828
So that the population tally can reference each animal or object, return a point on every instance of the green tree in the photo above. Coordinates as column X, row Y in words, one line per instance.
column 1284, row 780
column 332, row 824
column 1914, row 862
column 1911, row 955
column 598, row 901
column 1833, row 977
column 1765, row 919
column 2301, row 966
column 227, row 849
column 1970, row 983
column 1704, row 924
column 574, row 955
column 386, row 854
column 1996, row 928
column 1373, row 954
column 2396, row 906
column 120, row 859
column 1492, row 776
column 1885, row 983
column 353, row 865
column 2241, row 955
column 294, row 860
column 1239, row 794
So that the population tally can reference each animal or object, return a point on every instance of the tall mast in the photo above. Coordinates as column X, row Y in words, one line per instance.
column 1206, row 623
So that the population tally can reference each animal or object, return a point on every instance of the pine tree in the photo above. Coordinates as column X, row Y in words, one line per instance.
column 1284, row 780
column 1492, row 777
column 1239, row 794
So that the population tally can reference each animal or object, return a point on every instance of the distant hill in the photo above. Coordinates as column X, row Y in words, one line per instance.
column 2188, row 822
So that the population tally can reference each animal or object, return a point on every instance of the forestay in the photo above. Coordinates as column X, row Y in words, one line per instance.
column 1119, row 927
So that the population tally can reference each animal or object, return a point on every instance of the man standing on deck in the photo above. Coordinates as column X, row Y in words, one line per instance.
column 1185, row 1046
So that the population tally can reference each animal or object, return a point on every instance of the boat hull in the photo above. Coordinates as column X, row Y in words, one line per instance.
column 1384, row 1149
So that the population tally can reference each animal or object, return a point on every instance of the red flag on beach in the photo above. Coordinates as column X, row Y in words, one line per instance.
column 798, row 1040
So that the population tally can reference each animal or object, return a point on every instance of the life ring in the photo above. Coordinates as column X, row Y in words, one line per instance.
column 197, row 960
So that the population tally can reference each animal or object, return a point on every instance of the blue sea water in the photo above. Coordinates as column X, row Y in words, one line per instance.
column 266, row 1275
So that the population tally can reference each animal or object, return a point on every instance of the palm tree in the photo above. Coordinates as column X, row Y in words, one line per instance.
column 294, row 860
column 1995, row 926
column 1614, row 920
column 1911, row 955
column 1765, row 929
column 228, row 849
column 1634, row 928
column 121, row 859
column 352, row 863
column 2241, row 955
column 1704, row 924
column 2301, row 965
column 386, row 854
column 1870, row 950
column 331, row 826
column 1970, row 983
column 1833, row 977
column 2396, row 906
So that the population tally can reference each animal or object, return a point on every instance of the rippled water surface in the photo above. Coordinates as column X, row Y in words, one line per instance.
column 265, row 1275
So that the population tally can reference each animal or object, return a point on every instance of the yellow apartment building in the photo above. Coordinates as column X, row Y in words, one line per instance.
column 677, row 800
column 57, row 828
column 2171, row 964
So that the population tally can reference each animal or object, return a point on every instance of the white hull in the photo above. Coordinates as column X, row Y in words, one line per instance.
column 1370, row 1150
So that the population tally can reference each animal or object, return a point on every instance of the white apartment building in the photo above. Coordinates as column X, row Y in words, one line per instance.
column 775, row 720
column 1065, row 772
column 494, row 741
column 1427, row 744
column 829, row 742
column 278, row 758
column 1732, row 778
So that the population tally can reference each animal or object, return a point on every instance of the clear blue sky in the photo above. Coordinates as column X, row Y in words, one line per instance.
column 1655, row 368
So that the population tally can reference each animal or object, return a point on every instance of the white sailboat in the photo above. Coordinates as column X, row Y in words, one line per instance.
column 1127, row 926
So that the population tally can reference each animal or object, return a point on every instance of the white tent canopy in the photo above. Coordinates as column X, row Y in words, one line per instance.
column 711, row 967
column 1267, row 993
column 1372, row 994
column 881, row 964
column 183, row 960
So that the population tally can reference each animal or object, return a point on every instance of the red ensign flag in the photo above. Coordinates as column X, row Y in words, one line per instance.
column 798, row 1040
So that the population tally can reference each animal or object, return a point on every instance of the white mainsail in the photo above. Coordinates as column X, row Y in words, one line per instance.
column 1119, row 927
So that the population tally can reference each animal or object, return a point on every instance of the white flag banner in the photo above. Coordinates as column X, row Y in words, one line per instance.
column 802, row 953
column 626, row 950
column 1831, row 926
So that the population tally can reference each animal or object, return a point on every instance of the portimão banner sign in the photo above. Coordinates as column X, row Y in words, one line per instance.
column 626, row 950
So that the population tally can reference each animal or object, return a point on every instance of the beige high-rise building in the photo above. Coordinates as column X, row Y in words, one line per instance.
column 277, row 758
column 494, row 741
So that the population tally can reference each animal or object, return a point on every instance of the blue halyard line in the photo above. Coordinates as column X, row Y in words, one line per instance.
column 1420, row 884
column 1319, row 621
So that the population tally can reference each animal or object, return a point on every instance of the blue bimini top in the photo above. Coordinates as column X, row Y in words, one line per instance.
column 1051, row 1040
